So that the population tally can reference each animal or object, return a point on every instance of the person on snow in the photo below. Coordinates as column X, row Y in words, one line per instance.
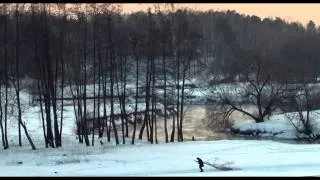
column 200, row 162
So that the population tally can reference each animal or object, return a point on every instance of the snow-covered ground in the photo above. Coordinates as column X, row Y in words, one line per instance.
column 280, row 126
column 249, row 157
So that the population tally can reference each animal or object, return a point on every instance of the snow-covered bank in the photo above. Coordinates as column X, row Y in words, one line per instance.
column 278, row 126
column 250, row 157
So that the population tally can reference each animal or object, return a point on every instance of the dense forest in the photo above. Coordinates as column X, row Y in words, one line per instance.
column 46, row 48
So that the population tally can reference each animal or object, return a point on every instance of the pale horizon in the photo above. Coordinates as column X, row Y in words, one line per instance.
column 290, row 12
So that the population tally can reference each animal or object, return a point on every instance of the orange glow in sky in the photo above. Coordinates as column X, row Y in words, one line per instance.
column 291, row 12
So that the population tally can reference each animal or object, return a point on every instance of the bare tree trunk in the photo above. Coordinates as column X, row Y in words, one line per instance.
column 1, row 126
column 48, row 119
column 76, row 113
column 136, row 99
column 62, row 36
column 53, row 92
column 45, row 66
column 107, row 59
column 86, row 138
column 152, row 105
column 120, row 101
column 1, row 112
column 147, row 97
column 42, row 113
column 6, row 76
column 112, row 80
column 112, row 103
column 94, row 76
column 28, row 136
column 165, row 93
column 101, row 124
column 62, row 91
column 1, row 70
column 17, row 71
column 173, row 128
column 124, row 95
column 173, row 33
column 178, row 85
column 154, row 101
column 182, row 103
column 38, row 65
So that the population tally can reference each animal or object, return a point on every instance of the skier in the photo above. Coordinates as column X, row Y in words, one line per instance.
column 200, row 164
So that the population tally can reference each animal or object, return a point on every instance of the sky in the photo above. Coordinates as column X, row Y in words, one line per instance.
column 291, row 12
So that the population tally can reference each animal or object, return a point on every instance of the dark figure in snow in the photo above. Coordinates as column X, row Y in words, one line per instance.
column 200, row 162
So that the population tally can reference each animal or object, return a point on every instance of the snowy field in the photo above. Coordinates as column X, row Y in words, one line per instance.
column 249, row 157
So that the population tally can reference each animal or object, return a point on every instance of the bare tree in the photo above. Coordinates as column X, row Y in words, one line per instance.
column 100, row 77
column 304, row 102
column 112, row 75
column 260, row 90
column 4, row 69
column 17, row 71
column 94, row 15
column 173, row 34
column 85, row 28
